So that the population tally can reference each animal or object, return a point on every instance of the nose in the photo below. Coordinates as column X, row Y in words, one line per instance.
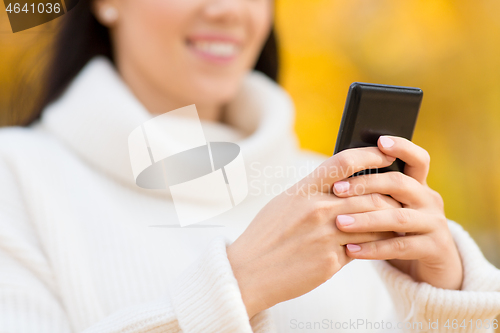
column 224, row 11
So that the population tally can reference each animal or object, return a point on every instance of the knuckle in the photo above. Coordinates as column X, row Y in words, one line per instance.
column 331, row 264
column 318, row 211
column 400, row 246
column 443, row 221
column 314, row 216
column 366, row 221
column 425, row 158
column 402, row 216
column 345, row 161
column 377, row 200
column 328, row 235
column 438, row 199
column 374, row 248
column 397, row 178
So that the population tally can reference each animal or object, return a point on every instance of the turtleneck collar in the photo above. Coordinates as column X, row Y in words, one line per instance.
column 97, row 112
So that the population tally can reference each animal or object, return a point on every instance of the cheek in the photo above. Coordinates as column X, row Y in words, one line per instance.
column 259, row 24
column 151, row 40
column 151, row 29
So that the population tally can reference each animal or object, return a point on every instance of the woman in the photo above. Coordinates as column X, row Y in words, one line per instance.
column 78, row 251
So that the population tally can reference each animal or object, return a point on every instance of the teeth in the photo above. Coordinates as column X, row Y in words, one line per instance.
column 218, row 49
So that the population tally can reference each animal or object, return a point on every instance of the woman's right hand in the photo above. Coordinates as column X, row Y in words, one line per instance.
column 293, row 245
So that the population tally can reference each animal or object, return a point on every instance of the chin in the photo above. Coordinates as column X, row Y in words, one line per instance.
column 218, row 91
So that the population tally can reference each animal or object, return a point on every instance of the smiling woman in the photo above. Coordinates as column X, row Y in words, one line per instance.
column 77, row 248
column 152, row 35
column 173, row 38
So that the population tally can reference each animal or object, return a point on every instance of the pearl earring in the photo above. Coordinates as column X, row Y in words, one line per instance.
column 109, row 15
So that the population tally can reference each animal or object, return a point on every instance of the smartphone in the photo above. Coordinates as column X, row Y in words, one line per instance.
column 372, row 110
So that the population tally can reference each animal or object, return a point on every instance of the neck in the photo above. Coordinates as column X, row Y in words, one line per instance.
column 158, row 102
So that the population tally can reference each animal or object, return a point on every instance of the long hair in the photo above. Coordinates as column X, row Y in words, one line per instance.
column 82, row 37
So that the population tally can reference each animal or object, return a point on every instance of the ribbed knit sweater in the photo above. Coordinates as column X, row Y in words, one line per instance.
column 83, row 249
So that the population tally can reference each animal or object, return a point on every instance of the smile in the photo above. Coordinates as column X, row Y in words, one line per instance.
column 217, row 49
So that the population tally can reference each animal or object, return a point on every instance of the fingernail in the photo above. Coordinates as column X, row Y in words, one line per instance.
column 341, row 186
column 345, row 219
column 386, row 142
column 353, row 247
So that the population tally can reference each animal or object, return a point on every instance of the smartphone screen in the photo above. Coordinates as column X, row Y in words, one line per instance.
column 372, row 110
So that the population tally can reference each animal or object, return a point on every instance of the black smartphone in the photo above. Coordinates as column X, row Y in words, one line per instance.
column 372, row 110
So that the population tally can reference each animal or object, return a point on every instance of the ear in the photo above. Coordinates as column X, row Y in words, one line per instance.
column 106, row 12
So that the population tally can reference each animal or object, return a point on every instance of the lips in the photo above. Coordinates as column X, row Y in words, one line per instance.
column 215, row 48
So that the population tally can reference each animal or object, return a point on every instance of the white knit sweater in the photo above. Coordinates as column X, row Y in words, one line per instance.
column 83, row 249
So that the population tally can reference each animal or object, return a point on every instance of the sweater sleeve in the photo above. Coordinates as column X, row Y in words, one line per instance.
column 471, row 309
column 204, row 298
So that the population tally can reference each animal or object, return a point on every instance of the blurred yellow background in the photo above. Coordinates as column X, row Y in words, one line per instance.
column 449, row 48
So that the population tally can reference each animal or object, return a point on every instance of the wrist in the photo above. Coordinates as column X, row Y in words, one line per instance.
column 249, row 290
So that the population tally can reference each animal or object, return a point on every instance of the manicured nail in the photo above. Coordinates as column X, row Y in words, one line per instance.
column 386, row 142
column 353, row 247
column 345, row 220
column 341, row 186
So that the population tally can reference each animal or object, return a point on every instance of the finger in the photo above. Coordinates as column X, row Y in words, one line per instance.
column 363, row 237
column 344, row 164
column 366, row 203
column 401, row 187
column 407, row 248
column 328, row 208
column 356, row 204
column 416, row 158
column 397, row 220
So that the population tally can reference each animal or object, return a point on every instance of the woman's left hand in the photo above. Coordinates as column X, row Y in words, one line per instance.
column 427, row 251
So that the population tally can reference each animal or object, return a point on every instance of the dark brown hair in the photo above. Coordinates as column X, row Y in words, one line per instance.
column 82, row 37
